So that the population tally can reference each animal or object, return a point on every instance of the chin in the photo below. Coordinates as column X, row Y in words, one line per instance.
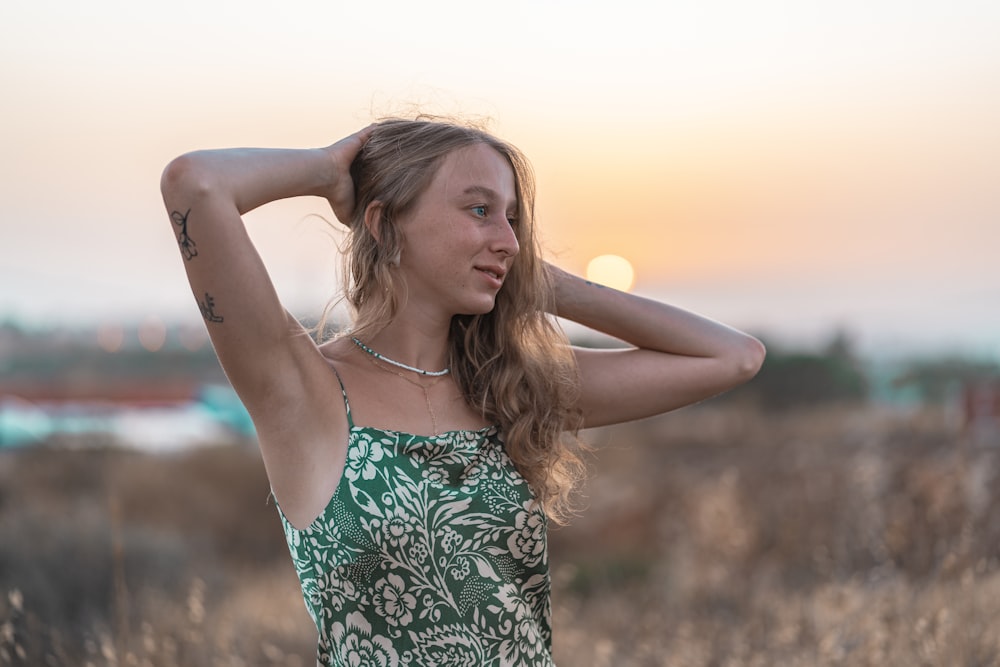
column 479, row 309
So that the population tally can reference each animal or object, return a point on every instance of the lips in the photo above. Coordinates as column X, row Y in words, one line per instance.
column 495, row 273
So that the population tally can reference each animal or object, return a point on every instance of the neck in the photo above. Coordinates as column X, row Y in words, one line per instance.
column 409, row 338
column 409, row 351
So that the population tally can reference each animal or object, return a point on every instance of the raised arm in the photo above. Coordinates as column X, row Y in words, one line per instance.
column 677, row 358
column 206, row 193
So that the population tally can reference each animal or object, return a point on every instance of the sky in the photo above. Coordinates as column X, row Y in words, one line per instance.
column 792, row 168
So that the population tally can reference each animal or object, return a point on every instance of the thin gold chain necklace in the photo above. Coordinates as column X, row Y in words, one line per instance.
column 423, row 388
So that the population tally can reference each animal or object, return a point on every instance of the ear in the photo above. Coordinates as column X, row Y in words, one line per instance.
column 373, row 219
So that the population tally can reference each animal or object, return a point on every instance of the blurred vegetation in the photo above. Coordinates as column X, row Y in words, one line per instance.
column 716, row 535
column 108, row 553
column 791, row 378
column 796, row 378
column 53, row 355
column 803, row 519
column 936, row 380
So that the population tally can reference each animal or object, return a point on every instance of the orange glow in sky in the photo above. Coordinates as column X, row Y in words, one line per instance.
column 611, row 271
column 780, row 165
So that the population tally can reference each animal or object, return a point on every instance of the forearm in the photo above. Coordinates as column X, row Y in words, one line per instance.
column 249, row 177
column 644, row 323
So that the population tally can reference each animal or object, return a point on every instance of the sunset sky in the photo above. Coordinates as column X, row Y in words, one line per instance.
column 789, row 167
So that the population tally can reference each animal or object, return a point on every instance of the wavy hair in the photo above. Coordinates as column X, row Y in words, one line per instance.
column 513, row 364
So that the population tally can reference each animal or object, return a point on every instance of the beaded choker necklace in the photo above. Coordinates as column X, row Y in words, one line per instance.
column 397, row 363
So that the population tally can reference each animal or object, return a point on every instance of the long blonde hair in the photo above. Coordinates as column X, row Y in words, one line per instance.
column 513, row 364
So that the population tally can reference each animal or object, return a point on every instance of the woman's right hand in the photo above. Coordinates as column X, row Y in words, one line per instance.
column 341, row 190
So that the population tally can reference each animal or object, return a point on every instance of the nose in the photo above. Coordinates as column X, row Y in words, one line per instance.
column 505, row 239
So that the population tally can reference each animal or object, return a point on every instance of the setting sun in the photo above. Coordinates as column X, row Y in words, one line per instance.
column 611, row 271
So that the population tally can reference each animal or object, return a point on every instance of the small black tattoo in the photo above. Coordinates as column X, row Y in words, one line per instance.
column 184, row 240
column 207, row 308
column 593, row 284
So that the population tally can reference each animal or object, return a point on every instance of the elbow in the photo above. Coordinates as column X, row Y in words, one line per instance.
column 184, row 176
column 174, row 175
column 749, row 358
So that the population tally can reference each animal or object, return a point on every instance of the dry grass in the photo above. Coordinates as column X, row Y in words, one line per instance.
column 715, row 536
column 834, row 537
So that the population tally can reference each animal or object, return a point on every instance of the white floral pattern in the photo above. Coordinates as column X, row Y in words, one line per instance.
column 356, row 646
column 432, row 551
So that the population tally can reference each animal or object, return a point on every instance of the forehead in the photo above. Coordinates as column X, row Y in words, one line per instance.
column 475, row 168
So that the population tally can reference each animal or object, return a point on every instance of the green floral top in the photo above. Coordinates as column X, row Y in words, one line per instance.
column 432, row 551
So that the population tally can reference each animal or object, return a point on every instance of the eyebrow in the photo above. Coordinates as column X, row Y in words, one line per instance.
column 486, row 192
column 481, row 190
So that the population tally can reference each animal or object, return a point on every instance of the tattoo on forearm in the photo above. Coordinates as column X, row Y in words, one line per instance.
column 593, row 284
column 207, row 308
column 184, row 240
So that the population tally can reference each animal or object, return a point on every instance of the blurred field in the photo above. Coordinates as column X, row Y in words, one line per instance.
column 715, row 536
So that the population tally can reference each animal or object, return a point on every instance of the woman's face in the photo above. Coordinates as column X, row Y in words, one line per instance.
column 458, row 240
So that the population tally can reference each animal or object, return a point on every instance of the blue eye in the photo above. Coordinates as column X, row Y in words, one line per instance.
column 479, row 211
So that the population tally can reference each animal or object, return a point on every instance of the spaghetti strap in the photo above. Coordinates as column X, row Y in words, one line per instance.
column 347, row 404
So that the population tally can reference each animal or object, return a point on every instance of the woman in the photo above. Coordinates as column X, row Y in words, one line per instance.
column 417, row 458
